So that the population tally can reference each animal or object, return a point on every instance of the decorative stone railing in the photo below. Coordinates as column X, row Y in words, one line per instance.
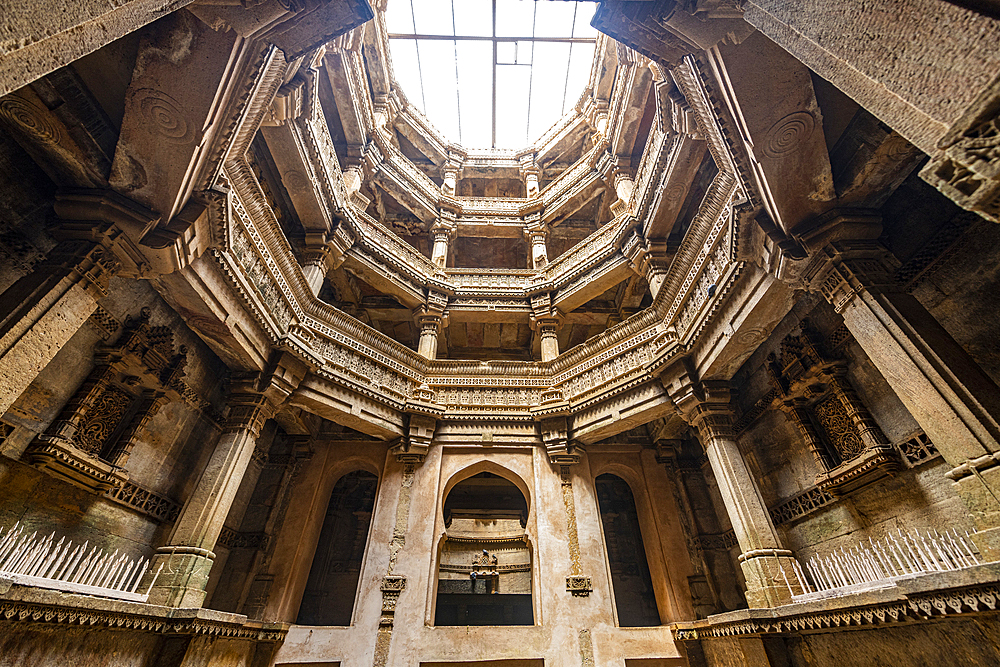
column 260, row 265
column 42, row 562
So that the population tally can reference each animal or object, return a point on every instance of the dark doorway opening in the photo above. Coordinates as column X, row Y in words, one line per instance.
column 633, row 587
column 336, row 568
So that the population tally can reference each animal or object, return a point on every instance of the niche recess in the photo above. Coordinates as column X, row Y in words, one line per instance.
column 633, row 587
column 333, row 579
column 484, row 572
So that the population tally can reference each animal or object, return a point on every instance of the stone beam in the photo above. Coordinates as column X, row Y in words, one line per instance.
column 628, row 102
column 597, row 281
column 621, row 411
column 783, row 138
column 44, row 36
column 174, row 110
column 373, row 271
column 352, row 103
column 683, row 164
column 336, row 402
column 425, row 140
column 918, row 87
column 287, row 147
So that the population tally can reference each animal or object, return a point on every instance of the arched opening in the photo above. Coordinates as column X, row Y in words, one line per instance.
column 336, row 568
column 630, row 580
column 484, row 572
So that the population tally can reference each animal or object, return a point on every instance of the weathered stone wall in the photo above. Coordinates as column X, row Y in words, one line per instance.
column 565, row 626
column 916, row 497
column 166, row 459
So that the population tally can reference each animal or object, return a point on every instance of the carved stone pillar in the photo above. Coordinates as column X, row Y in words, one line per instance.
column 767, row 567
column 41, row 311
column 318, row 263
column 430, row 327
column 443, row 234
column 548, row 329
column 537, row 237
column 352, row 179
column 624, row 187
column 668, row 453
column 650, row 259
column 188, row 556
column 530, row 172
column 951, row 398
column 450, row 173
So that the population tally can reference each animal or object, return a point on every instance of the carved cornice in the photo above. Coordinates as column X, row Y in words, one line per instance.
column 51, row 608
column 920, row 599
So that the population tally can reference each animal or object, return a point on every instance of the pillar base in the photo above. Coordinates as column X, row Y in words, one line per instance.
column 184, row 577
column 769, row 573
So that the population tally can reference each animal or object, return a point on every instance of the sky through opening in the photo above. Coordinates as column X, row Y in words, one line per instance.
column 491, row 73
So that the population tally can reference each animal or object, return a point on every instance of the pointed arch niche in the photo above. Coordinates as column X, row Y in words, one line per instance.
column 485, row 561
column 333, row 580
column 635, row 598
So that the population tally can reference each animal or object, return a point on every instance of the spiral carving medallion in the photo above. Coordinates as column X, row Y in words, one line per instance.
column 163, row 115
column 30, row 118
column 789, row 134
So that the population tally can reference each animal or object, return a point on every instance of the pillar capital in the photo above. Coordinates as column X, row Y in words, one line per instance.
column 421, row 423
column 705, row 405
column 537, row 234
column 530, row 172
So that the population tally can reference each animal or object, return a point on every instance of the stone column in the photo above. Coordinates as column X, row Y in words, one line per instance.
column 352, row 179
column 767, row 567
column 430, row 327
column 442, row 237
column 537, row 237
column 41, row 311
column 951, row 398
column 547, row 329
column 530, row 172
column 450, row 177
column 624, row 187
column 650, row 259
column 318, row 263
column 187, row 558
